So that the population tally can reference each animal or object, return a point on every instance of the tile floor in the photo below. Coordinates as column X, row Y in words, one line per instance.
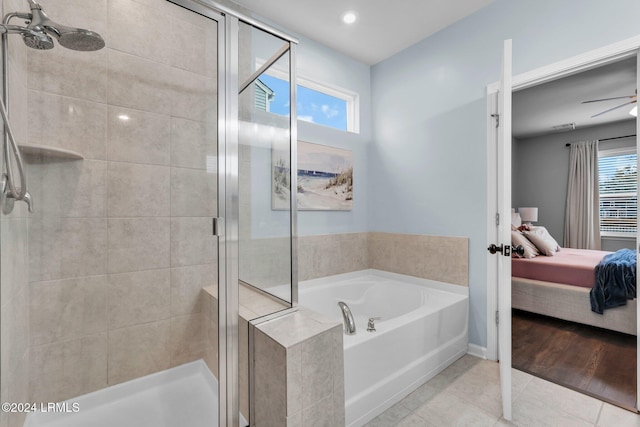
column 467, row 393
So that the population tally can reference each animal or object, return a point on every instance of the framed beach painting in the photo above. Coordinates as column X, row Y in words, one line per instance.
column 325, row 178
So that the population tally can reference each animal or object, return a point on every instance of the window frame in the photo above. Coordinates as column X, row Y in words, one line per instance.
column 613, row 152
column 351, row 98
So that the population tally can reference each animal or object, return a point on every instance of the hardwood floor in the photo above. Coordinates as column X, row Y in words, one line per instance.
column 594, row 361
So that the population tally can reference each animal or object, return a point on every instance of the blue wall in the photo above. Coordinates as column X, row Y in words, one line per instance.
column 320, row 63
column 427, row 161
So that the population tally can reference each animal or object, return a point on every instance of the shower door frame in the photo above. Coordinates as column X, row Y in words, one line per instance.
column 226, row 225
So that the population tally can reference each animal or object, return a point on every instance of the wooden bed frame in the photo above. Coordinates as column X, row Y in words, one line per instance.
column 570, row 303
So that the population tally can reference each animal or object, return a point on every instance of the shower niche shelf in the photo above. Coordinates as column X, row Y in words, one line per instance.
column 48, row 151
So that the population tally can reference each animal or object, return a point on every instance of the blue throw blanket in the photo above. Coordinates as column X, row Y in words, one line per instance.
column 615, row 280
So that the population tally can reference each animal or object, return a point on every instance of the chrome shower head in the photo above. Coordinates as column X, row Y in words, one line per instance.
column 37, row 40
column 69, row 37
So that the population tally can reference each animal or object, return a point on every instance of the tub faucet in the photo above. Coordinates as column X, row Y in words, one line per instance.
column 347, row 318
column 371, row 325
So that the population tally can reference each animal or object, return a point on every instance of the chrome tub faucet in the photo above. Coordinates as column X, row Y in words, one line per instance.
column 347, row 317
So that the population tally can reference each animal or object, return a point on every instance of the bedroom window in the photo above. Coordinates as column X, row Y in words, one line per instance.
column 618, row 173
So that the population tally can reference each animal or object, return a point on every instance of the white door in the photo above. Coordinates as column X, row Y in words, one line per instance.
column 503, row 254
column 637, row 246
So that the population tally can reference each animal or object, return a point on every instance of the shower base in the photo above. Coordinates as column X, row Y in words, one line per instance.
column 186, row 395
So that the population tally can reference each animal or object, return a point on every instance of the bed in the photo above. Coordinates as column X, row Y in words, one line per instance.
column 559, row 285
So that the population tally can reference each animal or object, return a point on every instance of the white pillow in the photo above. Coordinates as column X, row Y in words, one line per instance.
column 540, row 237
column 516, row 221
column 530, row 251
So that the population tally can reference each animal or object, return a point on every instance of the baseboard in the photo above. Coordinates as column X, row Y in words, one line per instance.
column 477, row 351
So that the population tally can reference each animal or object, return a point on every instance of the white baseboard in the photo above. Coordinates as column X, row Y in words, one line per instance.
column 477, row 351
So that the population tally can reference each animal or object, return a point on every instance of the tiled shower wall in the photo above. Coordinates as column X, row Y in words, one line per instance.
column 120, row 243
column 14, row 292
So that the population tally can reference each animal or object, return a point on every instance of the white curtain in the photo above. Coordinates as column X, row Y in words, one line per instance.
column 582, row 218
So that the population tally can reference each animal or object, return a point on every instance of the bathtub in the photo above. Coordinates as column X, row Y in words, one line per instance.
column 424, row 328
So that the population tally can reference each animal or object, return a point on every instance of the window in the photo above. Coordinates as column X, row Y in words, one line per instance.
column 316, row 103
column 618, row 173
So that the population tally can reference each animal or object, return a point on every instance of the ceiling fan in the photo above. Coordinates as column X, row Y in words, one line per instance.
column 634, row 99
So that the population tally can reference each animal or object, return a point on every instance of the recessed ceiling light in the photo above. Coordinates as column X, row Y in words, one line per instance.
column 123, row 117
column 349, row 17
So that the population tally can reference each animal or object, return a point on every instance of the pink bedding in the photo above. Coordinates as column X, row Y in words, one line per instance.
column 568, row 266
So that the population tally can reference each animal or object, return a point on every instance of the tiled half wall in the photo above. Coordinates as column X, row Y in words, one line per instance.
column 439, row 258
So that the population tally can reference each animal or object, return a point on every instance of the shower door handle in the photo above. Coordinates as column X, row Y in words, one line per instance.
column 218, row 226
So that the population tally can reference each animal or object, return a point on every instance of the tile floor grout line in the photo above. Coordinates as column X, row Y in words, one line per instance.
column 599, row 414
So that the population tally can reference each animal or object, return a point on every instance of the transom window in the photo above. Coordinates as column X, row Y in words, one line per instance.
column 316, row 103
column 618, row 174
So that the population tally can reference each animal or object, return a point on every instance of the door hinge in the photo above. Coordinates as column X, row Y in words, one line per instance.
column 498, row 218
column 497, row 117
column 497, row 317
column 218, row 226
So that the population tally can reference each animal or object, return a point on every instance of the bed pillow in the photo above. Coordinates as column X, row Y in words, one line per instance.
column 517, row 238
column 540, row 237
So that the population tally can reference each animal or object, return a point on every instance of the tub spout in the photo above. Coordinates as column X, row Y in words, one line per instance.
column 347, row 318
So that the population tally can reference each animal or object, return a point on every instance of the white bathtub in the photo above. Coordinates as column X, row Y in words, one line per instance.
column 424, row 328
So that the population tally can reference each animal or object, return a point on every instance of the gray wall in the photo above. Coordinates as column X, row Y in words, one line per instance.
column 428, row 157
column 540, row 173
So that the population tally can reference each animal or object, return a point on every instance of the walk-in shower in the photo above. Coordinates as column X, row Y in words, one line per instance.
column 36, row 35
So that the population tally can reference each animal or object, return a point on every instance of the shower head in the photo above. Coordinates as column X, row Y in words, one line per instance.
column 37, row 40
column 69, row 37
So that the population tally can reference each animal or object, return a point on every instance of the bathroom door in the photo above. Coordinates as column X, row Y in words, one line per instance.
column 503, row 258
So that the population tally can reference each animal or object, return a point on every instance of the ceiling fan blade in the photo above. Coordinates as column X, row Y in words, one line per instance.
column 609, row 99
column 614, row 108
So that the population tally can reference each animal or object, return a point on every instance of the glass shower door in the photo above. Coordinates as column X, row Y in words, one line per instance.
column 113, row 279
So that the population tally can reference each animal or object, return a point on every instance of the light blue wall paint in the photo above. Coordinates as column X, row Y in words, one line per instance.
column 427, row 162
column 320, row 63
column 324, row 65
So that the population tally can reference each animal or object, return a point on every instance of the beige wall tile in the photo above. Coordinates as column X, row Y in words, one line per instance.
column 61, row 248
column 193, row 192
column 192, row 242
column 138, row 244
column 70, row 73
column 68, row 189
column 187, row 338
column 16, row 389
column 338, row 376
column 14, row 262
column 136, row 136
column 67, row 309
column 14, row 330
column 194, row 96
column 193, row 46
column 319, row 414
column 68, row 123
column 192, row 142
column 317, row 369
column 139, row 29
column 439, row 258
column 270, row 381
column 138, row 83
column 139, row 297
column 136, row 190
column 62, row 370
column 294, row 379
column 83, row 14
column 138, row 350
column 187, row 296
